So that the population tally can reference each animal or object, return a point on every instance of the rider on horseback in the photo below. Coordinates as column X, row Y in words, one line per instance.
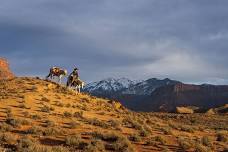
column 74, row 76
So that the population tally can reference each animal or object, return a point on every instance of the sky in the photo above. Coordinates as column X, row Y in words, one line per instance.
column 185, row 40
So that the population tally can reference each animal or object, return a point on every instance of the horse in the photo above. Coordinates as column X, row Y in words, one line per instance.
column 57, row 72
column 78, row 84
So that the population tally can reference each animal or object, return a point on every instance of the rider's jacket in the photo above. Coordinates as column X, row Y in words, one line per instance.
column 74, row 74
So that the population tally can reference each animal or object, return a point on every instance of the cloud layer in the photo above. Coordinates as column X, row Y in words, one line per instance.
column 179, row 39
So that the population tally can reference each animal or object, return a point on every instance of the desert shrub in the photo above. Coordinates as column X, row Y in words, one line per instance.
column 7, row 138
column 41, row 148
column 110, row 136
column 24, row 143
column 67, row 114
column 78, row 114
column 8, row 110
column 73, row 140
column 49, row 123
column 114, row 123
column 59, row 149
column 149, row 121
column 184, row 144
column 205, row 140
column 167, row 130
column 21, row 96
column 97, row 135
column 131, row 123
column 14, row 122
column 45, row 99
column 122, row 145
column 126, row 122
column 25, row 122
column 34, row 130
column 22, row 105
column 144, row 133
column 38, row 148
column 52, row 108
column 222, row 137
column 5, row 127
column 160, row 139
column 33, row 88
column 147, row 128
column 59, row 104
column 96, row 122
column 85, row 99
column 134, row 137
column 45, row 108
column 73, row 125
column 187, row 128
column 25, row 113
column 101, row 113
column 165, row 149
column 151, row 142
column 68, row 105
column 85, row 107
column 95, row 146
column 52, row 131
column 173, row 125
column 36, row 117
column 201, row 148
column 136, row 125
column 74, row 106
column 9, row 115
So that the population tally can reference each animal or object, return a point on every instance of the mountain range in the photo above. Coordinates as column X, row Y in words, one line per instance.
column 112, row 86
column 159, row 95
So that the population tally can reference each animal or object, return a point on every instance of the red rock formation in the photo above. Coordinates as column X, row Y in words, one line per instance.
column 169, row 97
column 183, row 87
column 5, row 72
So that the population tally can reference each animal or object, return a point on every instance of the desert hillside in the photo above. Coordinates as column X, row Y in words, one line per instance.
column 42, row 116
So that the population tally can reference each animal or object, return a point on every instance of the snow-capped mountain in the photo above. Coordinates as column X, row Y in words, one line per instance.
column 109, row 85
column 148, row 86
column 124, row 86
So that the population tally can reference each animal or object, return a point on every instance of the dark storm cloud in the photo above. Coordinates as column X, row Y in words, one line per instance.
column 180, row 39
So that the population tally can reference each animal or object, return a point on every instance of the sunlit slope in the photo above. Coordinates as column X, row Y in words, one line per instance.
column 38, row 115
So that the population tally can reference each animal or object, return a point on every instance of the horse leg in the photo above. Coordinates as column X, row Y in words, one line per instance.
column 60, row 77
column 76, row 89
column 67, row 84
column 79, row 89
column 48, row 76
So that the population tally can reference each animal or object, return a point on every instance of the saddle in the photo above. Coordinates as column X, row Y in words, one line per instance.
column 56, row 70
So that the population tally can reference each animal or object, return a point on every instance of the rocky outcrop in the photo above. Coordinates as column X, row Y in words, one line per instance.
column 5, row 72
column 222, row 109
column 184, row 110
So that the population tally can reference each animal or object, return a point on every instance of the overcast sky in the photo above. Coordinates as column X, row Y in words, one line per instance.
column 186, row 40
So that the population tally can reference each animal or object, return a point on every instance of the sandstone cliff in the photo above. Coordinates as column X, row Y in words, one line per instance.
column 5, row 72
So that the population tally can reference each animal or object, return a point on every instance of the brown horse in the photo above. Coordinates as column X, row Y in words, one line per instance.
column 57, row 72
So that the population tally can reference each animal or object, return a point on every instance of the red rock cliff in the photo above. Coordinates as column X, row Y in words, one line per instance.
column 5, row 72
